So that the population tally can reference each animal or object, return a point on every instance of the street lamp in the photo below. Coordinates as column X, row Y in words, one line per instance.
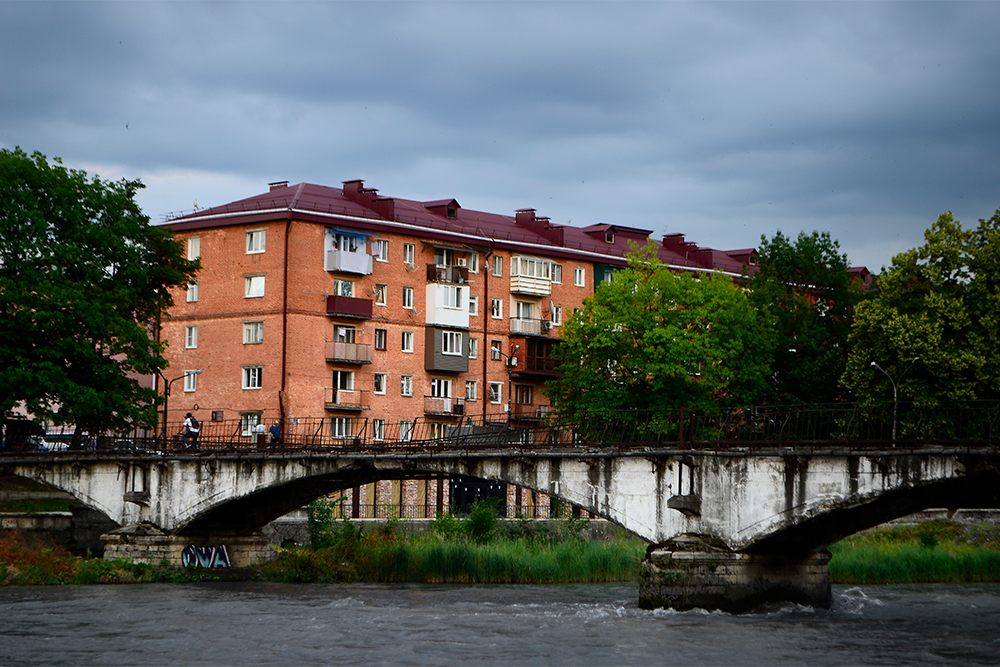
column 166, row 397
column 895, row 394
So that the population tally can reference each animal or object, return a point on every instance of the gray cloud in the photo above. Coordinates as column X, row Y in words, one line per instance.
column 723, row 121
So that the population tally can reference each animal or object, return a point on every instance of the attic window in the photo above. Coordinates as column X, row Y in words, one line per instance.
column 452, row 212
column 609, row 236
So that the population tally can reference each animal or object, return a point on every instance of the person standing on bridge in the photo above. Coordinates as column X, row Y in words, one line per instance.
column 275, row 432
column 191, row 430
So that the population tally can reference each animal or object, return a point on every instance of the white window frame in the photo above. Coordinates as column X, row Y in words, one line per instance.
column 496, row 350
column 191, row 337
column 253, row 332
column 343, row 288
column 192, row 292
column 381, row 292
column 406, row 342
column 451, row 343
column 253, row 377
column 343, row 380
column 405, row 430
column 473, row 262
column 378, row 383
column 440, row 388
column 497, row 266
column 473, row 348
column 253, row 286
column 579, row 277
column 194, row 248
column 256, row 241
column 408, row 298
column 473, row 304
column 556, row 313
column 496, row 393
column 471, row 390
column 406, row 385
column 341, row 427
column 409, row 253
column 191, row 380
column 496, row 309
column 557, row 273
column 381, row 250
column 451, row 297
column 378, row 429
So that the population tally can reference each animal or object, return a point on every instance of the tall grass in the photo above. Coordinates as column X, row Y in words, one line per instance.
column 933, row 552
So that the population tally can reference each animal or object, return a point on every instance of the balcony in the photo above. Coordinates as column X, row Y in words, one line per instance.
column 348, row 353
column 529, row 326
column 530, row 412
column 346, row 306
column 341, row 399
column 434, row 405
column 530, row 285
column 342, row 261
column 447, row 274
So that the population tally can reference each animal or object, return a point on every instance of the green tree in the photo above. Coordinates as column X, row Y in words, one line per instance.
column 803, row 292
column 83, row 279
column 652, row 339
column 938, row 304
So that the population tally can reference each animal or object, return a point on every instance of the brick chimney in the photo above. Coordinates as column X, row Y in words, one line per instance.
column 525, row 217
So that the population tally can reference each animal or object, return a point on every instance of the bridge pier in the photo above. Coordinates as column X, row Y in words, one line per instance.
column 674, row 576
column 145, row 543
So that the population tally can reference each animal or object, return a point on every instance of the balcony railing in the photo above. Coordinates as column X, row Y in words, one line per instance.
column 530, row 326
column 346, row 306
column 528, row 285
column 447, row 274
column 530, row 411
column 348, row 262
column 348, row 353
column 343, row 399
column 434, row 405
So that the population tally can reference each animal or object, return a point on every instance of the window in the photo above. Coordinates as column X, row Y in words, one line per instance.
column 408, row 254
column 340, row 427
column 474, row 262
column 531, row 267
column 439, row 430
column 378, row 429
column 607, row 275
column 253, row 286
column 556, row 313
column 379, row 383
column 249, row 422
column 609, row 237
column 407, row 341
column 497, row 265
column 451, row 342
column 380, row 336
column 347, row 242
column 343, row 380
column 343, row 288
column 253, row 333
column 440, row 388
column 255, row 241
column 473, row 348
column 444, row 257
column 496, row 392
column 191, row 380
column 496, row 309
column 381, row 250
column 579, row 277
column 405, row 430
column 473, row 304
column 253, row 377
column 471, row 390
column 191, row 337
column 194, row 247
column 522, row 394
column 407, row 297
column 192, row 293
column 525, row 310
column 406, row 385
column 452, row 297
column 344, row 334
column 557, row 273
column 495, row 350
column 380, row 293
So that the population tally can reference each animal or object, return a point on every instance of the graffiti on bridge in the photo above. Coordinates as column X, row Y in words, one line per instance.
column 210, row 557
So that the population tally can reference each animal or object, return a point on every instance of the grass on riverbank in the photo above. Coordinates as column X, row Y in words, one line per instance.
column 477, row 550
column 933, row 552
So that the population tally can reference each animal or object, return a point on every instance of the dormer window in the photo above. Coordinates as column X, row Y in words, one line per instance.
column 609, row 236
column 452, row 212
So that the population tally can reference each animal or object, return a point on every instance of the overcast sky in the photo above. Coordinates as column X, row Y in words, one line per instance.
column 721, row 121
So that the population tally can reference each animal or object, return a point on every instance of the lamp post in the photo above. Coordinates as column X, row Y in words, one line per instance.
column 895, row 394
column 166, row 397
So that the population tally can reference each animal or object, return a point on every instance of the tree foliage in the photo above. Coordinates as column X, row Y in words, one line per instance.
column 803, row 293
column 652, row 339
column 938, row 304
column 83, row 276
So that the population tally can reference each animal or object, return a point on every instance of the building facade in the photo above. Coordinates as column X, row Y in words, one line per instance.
column 339, row 313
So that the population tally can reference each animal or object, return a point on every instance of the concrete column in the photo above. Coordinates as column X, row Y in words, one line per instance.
column 731, row 581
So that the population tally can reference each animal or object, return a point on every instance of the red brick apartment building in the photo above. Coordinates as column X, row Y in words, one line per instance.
column 344, row 314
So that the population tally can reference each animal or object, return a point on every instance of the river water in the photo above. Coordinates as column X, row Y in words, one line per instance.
column 593, row 624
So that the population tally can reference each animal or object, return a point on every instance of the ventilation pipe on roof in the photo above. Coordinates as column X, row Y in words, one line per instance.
column 525, row 217
column 277, row 185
